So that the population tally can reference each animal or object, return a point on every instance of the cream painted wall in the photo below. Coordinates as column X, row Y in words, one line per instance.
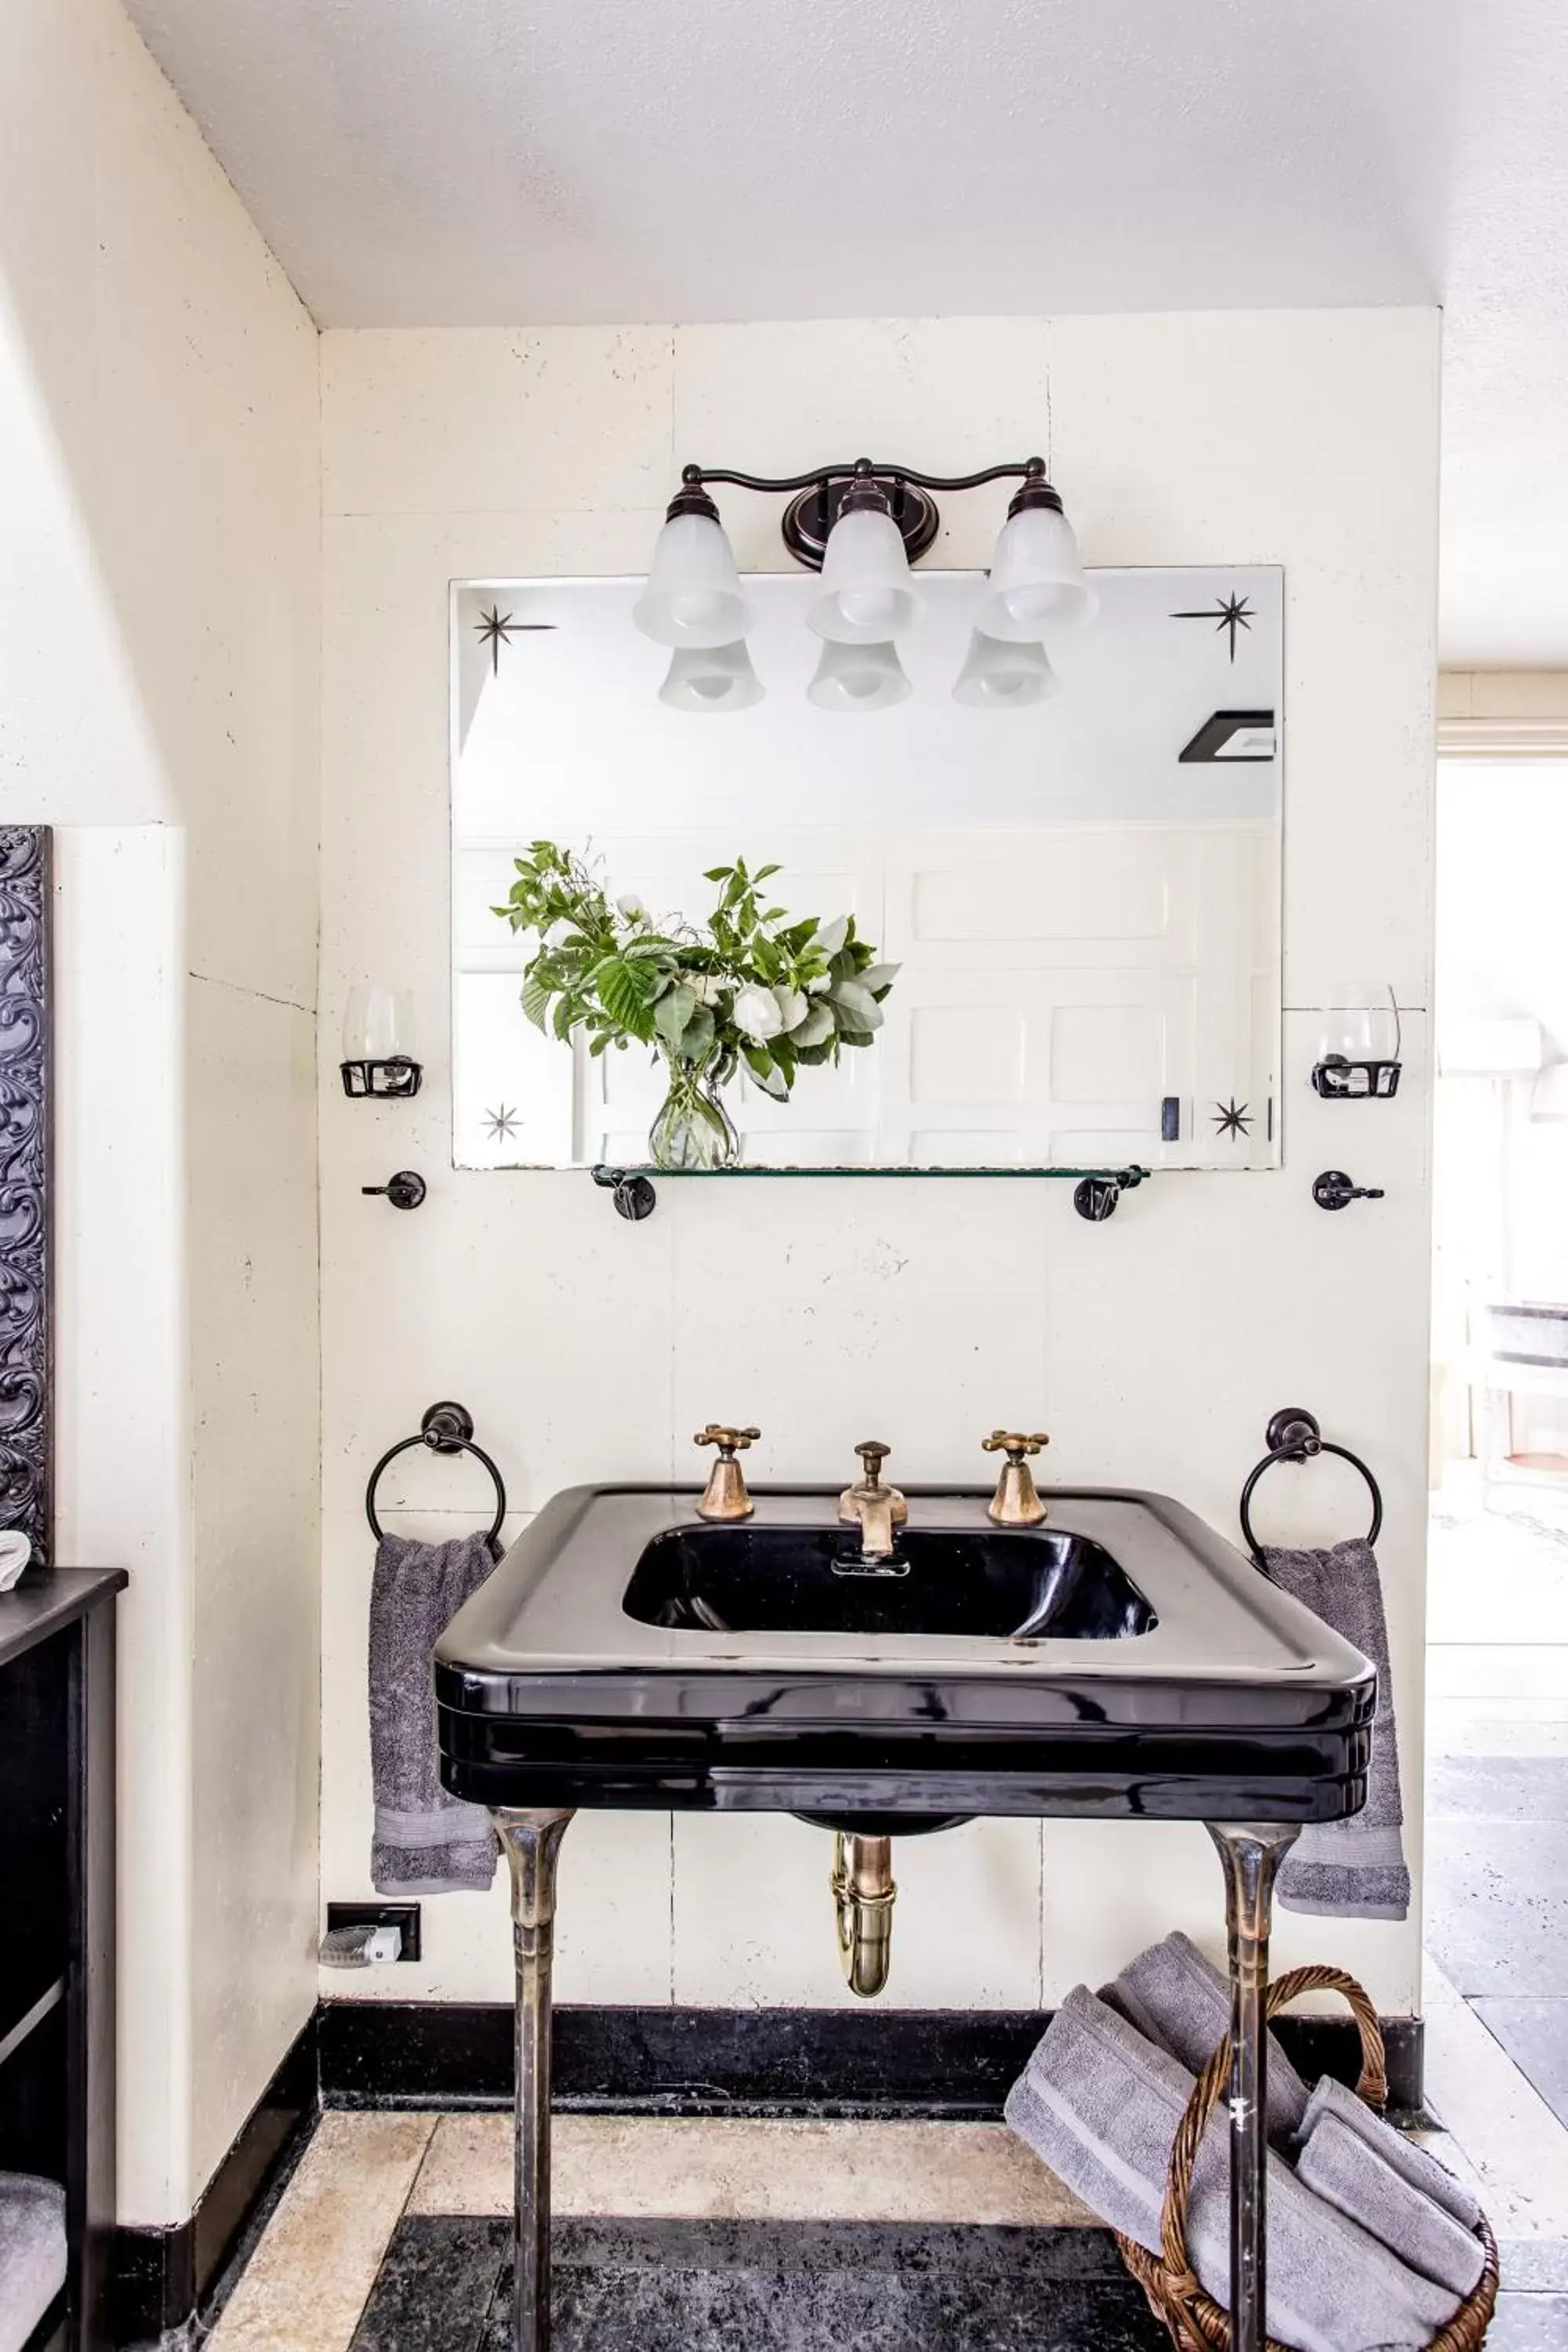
column 1155, row 1348
column 159, row 702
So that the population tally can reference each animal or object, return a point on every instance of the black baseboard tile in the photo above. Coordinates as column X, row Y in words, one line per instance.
column 163, row 2278
column 953, row 2064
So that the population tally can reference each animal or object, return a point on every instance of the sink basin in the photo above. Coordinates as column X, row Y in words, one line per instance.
column 1007, row 1585
column 1121, row 1661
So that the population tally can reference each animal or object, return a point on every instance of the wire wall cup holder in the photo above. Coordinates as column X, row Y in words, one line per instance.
column 394, row 1080
column 1339, row 1080
column 445, row 1428
column 1362, row 1077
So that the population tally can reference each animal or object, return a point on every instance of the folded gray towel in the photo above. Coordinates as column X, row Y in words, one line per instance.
column 426, row 1841
column 1412, row 2163
column 1100, row 2106
column 32, row 2253
column 1180, row 2001
column 1352, row 1869
column 1339, row 2166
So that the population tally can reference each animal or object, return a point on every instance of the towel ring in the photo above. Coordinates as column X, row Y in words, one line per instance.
column 445, row 1429
column 1295, row 1435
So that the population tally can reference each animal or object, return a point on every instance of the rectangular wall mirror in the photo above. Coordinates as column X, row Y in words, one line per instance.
column 1081, row 895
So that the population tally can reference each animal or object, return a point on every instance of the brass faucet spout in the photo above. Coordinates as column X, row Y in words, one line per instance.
column 875, row 1516
column 880, row 1510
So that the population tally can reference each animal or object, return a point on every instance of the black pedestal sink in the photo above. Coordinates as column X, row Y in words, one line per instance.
column 1121, row 1662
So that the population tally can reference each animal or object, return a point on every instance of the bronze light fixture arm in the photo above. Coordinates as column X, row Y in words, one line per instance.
column 820, row 496
column 1029, row 469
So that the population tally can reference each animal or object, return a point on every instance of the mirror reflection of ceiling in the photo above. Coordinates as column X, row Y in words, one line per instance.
column 472, row 163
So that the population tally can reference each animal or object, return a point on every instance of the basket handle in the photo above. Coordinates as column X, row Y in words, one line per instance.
column 1212, row 2083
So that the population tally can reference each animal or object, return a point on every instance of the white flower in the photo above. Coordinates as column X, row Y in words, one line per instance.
column 632, row 907
column 820, row 985
column 757, row 1014
column 710, row 988
column 559, row 933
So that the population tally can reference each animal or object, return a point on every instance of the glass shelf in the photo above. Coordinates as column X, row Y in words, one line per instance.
column 1128, row 1177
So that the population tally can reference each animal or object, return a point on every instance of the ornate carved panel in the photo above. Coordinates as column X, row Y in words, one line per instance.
column 26, row 1400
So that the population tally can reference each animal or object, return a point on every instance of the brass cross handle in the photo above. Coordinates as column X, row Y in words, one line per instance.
column 873, row 1454
column 1016, row 1502
column 1009, row 1441
column 725, row 1497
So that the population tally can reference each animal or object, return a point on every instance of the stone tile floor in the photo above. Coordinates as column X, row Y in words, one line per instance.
column 678, row 2235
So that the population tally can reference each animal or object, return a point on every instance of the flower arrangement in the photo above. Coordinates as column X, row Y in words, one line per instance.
column 751, row 987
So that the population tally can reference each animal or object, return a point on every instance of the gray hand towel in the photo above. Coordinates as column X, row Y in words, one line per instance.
column 426, row 1841
column 32, row 2253
column 1181, row 2002
column 1100, row 2106
column 1352, row 1869
column 1338, row 2165
column 1412, row 2163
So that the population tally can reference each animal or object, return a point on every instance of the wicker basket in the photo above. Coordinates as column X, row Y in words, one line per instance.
column 1194, row 2321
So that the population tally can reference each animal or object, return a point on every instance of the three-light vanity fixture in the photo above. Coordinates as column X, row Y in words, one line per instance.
column 861, row 526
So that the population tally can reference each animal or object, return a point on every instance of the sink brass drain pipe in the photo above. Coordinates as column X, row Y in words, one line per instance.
column 863, row 1896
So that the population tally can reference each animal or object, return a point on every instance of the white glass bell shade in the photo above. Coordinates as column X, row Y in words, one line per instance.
column 997, row 675
column 716, row 678
column 857, row 677
column 865, row 596
column 693, row 596
column 1036, row 581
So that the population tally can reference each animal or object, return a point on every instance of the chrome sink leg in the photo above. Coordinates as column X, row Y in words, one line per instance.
column 531, row 1842
column 1251, row 1854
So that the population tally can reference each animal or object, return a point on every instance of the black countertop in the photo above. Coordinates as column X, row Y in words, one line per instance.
column 31, row 1612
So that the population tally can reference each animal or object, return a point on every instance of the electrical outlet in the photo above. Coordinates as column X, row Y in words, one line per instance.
column 404, row 1916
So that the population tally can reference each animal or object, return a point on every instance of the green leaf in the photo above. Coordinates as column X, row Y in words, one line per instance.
column 697, row 1043
column 760, row 1062
column 860, row 1009
column 763, row 872
column 673, row 1011
column 880, row 977
column 624, row 989
column 535, row 1001
column 816, row 1029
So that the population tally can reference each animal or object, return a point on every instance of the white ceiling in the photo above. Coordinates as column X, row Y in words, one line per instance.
column 431, row 162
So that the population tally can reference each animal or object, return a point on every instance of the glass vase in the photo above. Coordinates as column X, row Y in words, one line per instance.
column 693, row 1130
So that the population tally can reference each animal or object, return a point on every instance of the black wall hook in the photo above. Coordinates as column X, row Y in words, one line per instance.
column 1334, row 1189
column 405, row 1190
column 1096, row 1197
column 633, row 1195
